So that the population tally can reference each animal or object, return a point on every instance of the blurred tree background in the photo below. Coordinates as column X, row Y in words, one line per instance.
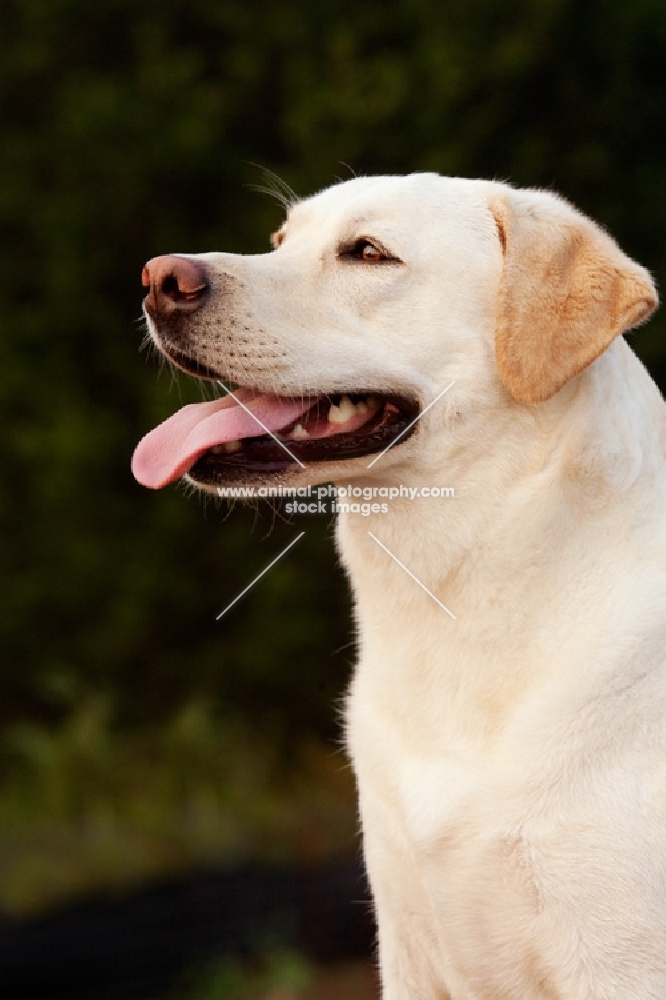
column 137, row 734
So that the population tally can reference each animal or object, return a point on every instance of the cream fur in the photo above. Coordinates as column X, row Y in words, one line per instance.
column 511, row 764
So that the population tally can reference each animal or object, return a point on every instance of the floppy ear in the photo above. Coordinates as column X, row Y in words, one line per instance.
column 567, row 290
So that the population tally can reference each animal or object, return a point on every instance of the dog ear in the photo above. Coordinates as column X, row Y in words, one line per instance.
column 566, row 292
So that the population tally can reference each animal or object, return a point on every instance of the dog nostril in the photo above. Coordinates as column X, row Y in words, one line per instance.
column 170, row 287
column 183, row 284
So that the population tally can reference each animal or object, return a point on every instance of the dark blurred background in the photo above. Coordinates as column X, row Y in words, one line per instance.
column 140, row 739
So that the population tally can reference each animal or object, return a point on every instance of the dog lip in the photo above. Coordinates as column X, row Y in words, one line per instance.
column 188, row 364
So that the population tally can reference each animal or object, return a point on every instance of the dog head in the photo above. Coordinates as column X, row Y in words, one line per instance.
column 379, row 293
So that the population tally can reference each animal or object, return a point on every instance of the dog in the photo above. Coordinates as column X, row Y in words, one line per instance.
column 506, row 720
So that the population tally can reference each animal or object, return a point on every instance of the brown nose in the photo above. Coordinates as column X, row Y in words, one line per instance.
column 176, row 283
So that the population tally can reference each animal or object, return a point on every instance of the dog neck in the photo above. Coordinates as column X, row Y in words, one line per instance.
column 485, row 554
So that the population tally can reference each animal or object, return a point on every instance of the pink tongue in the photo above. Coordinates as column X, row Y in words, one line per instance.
column 169, row 451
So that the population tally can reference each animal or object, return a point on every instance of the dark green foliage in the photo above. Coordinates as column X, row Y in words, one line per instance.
column 131, row 129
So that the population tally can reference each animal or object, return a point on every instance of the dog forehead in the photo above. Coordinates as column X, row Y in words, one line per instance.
column 427, row 202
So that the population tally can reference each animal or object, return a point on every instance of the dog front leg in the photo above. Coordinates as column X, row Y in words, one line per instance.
column 410, row 963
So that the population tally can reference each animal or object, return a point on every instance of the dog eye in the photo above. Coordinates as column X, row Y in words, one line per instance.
column 366, row 251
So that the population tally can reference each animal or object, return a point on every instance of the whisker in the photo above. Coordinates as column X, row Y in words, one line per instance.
column 275, row 186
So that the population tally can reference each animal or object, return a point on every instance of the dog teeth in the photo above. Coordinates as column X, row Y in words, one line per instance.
column 299, row 432
column 345, row 409
column 343, row 412
column 219, row 449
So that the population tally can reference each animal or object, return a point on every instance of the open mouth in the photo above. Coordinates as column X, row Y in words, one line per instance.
column 334, row 428
column 252, row 432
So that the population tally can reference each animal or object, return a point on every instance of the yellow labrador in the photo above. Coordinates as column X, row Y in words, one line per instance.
column 511, row 753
